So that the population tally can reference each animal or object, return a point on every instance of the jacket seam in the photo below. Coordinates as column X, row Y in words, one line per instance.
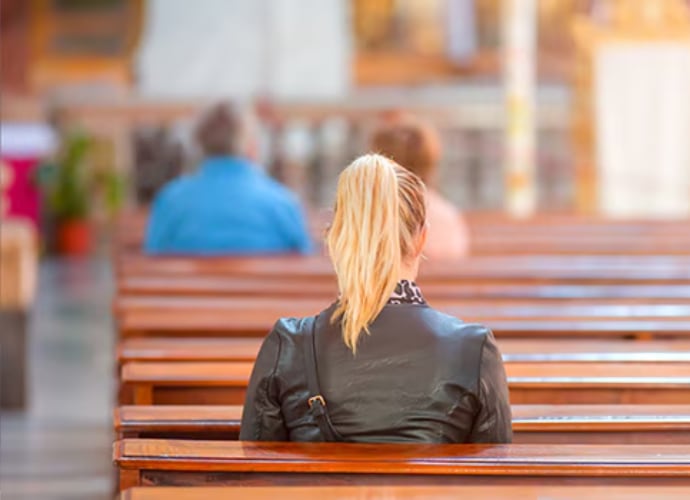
column 480, row 399
column 268, row 384
column 275, row 366
column 479, row 369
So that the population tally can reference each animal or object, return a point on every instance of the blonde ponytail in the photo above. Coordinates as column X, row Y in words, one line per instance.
column 379, row 210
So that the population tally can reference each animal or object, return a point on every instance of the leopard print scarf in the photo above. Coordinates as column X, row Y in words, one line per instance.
column 406, row 292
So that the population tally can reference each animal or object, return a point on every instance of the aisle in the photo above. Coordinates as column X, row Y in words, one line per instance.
column 60, row 447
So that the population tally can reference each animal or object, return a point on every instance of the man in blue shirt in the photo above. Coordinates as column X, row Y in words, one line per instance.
column 228, row 207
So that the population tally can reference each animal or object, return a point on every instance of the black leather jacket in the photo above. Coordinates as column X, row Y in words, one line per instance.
column 420, row 376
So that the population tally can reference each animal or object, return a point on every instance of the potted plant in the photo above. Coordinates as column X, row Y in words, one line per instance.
column 69, row 196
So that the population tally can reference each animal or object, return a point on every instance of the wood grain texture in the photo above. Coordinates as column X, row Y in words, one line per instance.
column 190, row 349
column 537, row 308
column 191, row 374
column 229, row 286
column 513, row 270
column 396, row 459
column 224, row 322
column 529, row 383
column 615, row 424
column 522, row 492
column 542, row 350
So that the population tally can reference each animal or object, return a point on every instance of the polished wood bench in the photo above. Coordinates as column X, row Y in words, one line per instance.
column 537, row 308
column 526, row 269
column 546, row 424
column 187, row 349
column 182, row 383
column 228, row 322
column 483, row 492
column 603, row 237
column 556, row 350
column 147, row 383
column 169, row 462
column 214, row 316
column 228, row 286
column 567, row 244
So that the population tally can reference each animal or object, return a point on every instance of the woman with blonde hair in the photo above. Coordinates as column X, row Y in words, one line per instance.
column 380, row 364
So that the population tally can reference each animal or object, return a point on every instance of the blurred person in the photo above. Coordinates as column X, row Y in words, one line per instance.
column 229, row 206
column 416, row 146
column 380, row 364
column 158, row 158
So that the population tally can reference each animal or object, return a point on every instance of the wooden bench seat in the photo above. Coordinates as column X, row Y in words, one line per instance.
column 566, row 244
column 483, row 492
column 507, row 309
column 530, row 382
column 324, row 290
column 526, row 269
column 184, row 383
column 572, row 238
column 217, row 316
column 188, row 349
column 169, row 462
column 130, row 227
column 230, row 322
column 576, row 424
column 556, row 350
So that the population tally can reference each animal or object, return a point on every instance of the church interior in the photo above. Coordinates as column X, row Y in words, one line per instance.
column 557, row 137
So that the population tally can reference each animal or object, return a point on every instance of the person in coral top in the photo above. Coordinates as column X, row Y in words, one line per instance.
column 415, row 145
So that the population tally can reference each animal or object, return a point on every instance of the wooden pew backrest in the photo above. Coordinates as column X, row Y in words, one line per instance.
column 483, row 492
column 576, row 424
column 161, row 462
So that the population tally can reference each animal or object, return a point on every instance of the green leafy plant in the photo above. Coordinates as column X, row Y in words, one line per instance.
column 111, row 187
column 82, row 179
column 70, row 186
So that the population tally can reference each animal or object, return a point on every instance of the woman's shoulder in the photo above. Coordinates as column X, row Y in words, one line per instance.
column 452, row 326
column 290, row 326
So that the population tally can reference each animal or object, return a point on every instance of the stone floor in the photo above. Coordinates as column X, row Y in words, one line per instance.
column 59, row 448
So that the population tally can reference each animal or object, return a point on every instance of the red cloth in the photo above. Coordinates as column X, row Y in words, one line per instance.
column 23, row 193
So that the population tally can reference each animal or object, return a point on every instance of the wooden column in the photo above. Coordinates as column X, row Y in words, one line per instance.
column 519, row 33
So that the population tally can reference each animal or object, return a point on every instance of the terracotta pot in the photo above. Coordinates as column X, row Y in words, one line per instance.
column 73, row 237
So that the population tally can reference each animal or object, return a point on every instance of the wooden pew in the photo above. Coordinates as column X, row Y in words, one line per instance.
column 507, row 309
column 182, row 383
column 168, row 462
column 226, row 322
column 546, row 424
column 529, row 382
column 245, row 349
column 226, row 286
column 496, row 235
column 566, row 244
column 573, row 236
column 215, row 316
column 187, row 349
column 483, row 492
column 530, row 269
